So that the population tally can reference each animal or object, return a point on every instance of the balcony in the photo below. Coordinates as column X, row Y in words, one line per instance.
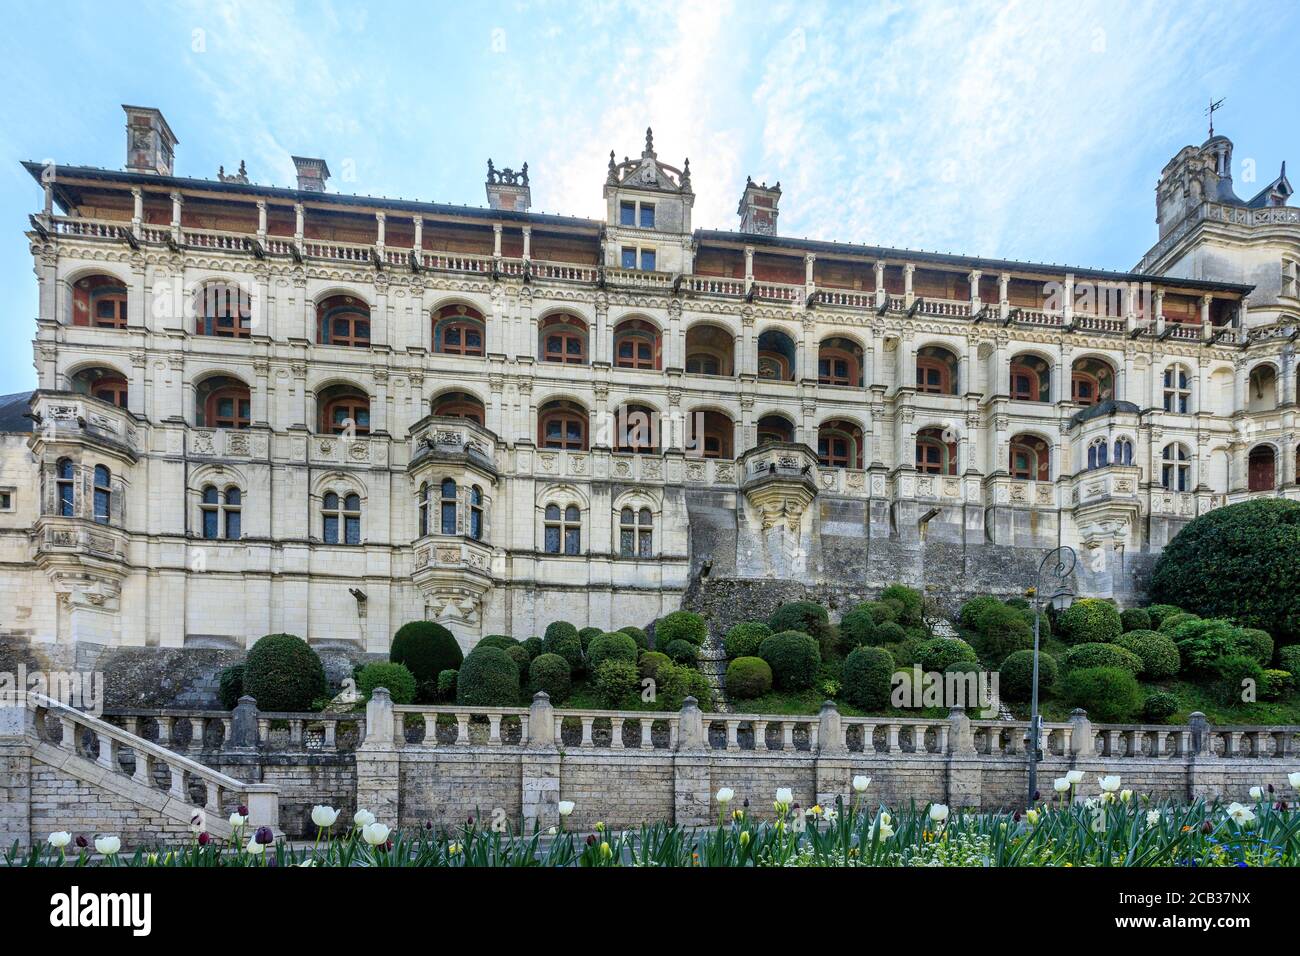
column 71, row 416
column 439, row 438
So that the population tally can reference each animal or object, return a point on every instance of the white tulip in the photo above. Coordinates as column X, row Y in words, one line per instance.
column 725, row 795
column 831, row 815
column 363, row 818
column 107, row 845
column 1242, row 816
column 1074, row 776
column 1108, row 784
column 1032, row 816
column 860, row 783
column 254, row 848
column 566, row 807
column 1061, row 784
column 1294, row 780
column 1126, row 795
column 938, row 813
column 784, row 795
column 324, row 816
column 375, row 834
column 60, row 839
column 1153, row 817
column 1257, row 793
column 237, row 820
column 882, row 827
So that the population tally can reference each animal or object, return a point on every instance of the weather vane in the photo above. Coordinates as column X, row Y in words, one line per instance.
column 1214, row 105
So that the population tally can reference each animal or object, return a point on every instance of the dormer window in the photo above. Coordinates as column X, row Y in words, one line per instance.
column 636, row 214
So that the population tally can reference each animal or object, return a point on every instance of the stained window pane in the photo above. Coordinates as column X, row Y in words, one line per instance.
column 232, row 525
column 552, row 540
column 352, row 503
column 65, row 500
column 552, row 512
column 209, row 495
column 647, row 549
column 625, row 543
column 210, row 523
column 331, row 501
column 101, row 506
column 234, row 496
column 572, row 541
column 331, row 529
column 476, row 524
column 352, row 529
column 449, row 517
column 571, row 513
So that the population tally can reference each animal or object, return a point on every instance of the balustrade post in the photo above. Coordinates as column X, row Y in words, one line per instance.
column 462, row 729
column 1199, row 727
column 107, row 752
column 760, row 735
column 691, row 735
column 541, row 723
column 830, row 730
column 616, row 733
column 244, row 725
column 494, row 730
column 647, row 742
column 1082, row 742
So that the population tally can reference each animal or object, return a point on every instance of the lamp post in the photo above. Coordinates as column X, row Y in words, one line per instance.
column 1062, row 562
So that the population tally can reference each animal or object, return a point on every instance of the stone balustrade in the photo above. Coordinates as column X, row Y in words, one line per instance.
column 203, row 731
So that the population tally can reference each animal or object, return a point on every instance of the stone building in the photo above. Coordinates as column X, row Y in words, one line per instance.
column 289, row 409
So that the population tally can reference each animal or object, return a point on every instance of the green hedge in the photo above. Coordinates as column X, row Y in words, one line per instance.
column 1016, row 675
column 396, row 677
column 614, row 681
column 1158, row 612
column 230, row 685
column 1288, row 658
column 938, row 652
column 1084, row 656
column 282, row 673
column 426, row 648
column 1089, row 621
column 806, row 617
column 562, row 638
column 680, row 626
column 745, row 638
column 1241, row 679
column 1201, row 642
column 859, row 628
column 488, row 678
column 682, row 652
column 1172, row 622
column 1108, row 694
column 586, row 634
column 1159, row 653
column 550, row 673
column 1258, row 644
column 794, row 658
column 447, row 684
column 1159, row 707
column 650, row 662
column 638, row 636
column 1000, row 630
column 748, row 677
column 612, row 646
column 866, row 677
column 503, row 641
column 909, row 601
column 535, row 647
column 1135, row 619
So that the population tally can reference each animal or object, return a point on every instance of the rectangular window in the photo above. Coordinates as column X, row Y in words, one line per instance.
column 627, row 214
column 629, row 258
column 572, row 541
column 648, row 260
column 646, row 542
column 6, row 501
column 352, row 530
column 647, row 216
column 210, row 523
column 626, row 545
column 448, row 517
column 101, row 506
column 232, row 525
column 65, row 499
column 552, row 540
column 331, row 529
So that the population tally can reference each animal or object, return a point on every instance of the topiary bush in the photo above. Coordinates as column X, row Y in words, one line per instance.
column 858, row 628
column 1240, row 679
column 638, row 635
column 447, row 684
column 488, row 678
column 1089, row 621
column 1256, row 643
column 535, row 647
column 396, row 677
column 426, row 648
column 1108, row 694
column 682, row 652
column 1000, row 630
column 909, row 601
column 890, row 632
column 612, row 646
column 1159, row 653
column 748, row 677
column 1159, row 707
column 550, row 672
column 680, row 626
column 230, row 685
column 1085, row 656
column 1016, row 675
column 562, row 638
column 744, row 639
column 866, row 677
column 1158, row 612
column 503, row 641
column 974, row 607
column 1288, row 658
column 806, row 617
column 614, row 680
column 1255, row 547
column 1135, row 619
column 650, row 662
column 1202, row 642
column 794, row 658
column 1172, row 622
column 282, row 673
column 938, row 652
column 519, row 655
column 586, row 634
column 880, row 611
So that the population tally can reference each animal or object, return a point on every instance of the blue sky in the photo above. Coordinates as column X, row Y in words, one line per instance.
column 1031, row 130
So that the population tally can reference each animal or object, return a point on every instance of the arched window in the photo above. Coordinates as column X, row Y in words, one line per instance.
column 1092, row 381
column 564, row 340
column 458, row 330
column 709, row 434
column 64, row 485
column 636, row 533
column 934, row 456
column 839, row 362
column 103, row 384
column 221, row 512
column 1123, row 452
column 776, row 355
column 839, row 445
column 103, row 494
column 775, row 428
column 459, row 405
column 223, row 309
column 341, row 513
column 100, row 302
column 476, row 512
column 1261, row 389
column 636, row 345
column 1031, row 379
column 936, row 371
column 423, row 500
column 1175, row 468
column 1261, row 467
column 637, row 428
column 344, row 410
column 1178, row 390
column 222, row 402
column 1030, row 458
column 447, row 506
column 562, row 425
column 343, row 320
column 709, row 350
column 563, row 530
column 1098, row 453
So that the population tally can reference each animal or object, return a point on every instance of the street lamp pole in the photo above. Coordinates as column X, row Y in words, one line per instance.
column 1062, row 562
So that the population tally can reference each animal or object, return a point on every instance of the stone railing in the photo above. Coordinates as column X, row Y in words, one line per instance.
column 244, row 729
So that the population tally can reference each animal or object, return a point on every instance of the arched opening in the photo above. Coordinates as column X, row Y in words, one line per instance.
column 1175, row 468
column 1098, row 453
column 65, row 485
column 637, row 345
column 341, row 517
column 1177, row 390
column 1030, row 458
column 101, row 383
column 1091, row 381
column 1031, row 379
column 100, row 302
column 1261, row 389
column 563, row 529
column 563, row 425
column 839, row 444
column 776, row 355
column 563, row 339
column 343, row 320
column 458, row 330
column 103, row 494
column 223, row 309
column 459, row 405
column 839, row 362
column 1261, row 469
column 936, row 371
column 1123, row 451
column 635, row 533
column 636, row 430
column 476, row 512
column 343, row 409
column 221, row 510
column 221, row 401
column 709, row 435
column 934, row 454
column 775, row 428
column 709, row 351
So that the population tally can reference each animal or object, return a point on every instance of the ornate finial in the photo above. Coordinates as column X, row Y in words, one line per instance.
column 686, row 173
column 1214, row 105
column 243, row 170
column 491, row 170
column 649, row 141
column 612, row 178
column 524, row 172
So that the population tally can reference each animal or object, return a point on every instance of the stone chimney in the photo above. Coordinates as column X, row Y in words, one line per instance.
column 757, row 209
column 150, row 143
column 312, row 174
column 507, row 189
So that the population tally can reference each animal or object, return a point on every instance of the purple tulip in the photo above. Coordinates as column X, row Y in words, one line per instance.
column 204, row 839
column 82, row 842
column 264, row 836
column 243, row 810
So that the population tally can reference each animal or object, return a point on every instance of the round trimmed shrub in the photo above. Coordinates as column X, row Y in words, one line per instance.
column 534, row 646
column 794, row 658
column 1257, row 644
column 1158, row 612
column 858, row 628
column 447, row 684
column 806, row 617
column 1001, row 630
column 682, row 652
column 614, row 680
column 503, row 641
column 938, row 652
column 890, row 632
column 745, row 638
column 1239, row 673
column 519, row 655
column 910, row 603
column 1288, row 658
column 1089, row 621
column 1159, row 653
column 1255, row 547
column 612, row 646
column 638, row 635
column 680, row 626
column 866, row 677
column 558, row 632
column 1016, row 675
column 230, row 685
column 396, row 677
column 488, row 678
column 1084, row 656
column 748, row 677
column 1135, row 619
column 550, row 672
column 1108, row 694
column 650, row 663
column 974, row 608
column 879, row 611
column 1173, row 622
column 282, row 673
column 586, row 634
column 1159, row 707
column 427, row 649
